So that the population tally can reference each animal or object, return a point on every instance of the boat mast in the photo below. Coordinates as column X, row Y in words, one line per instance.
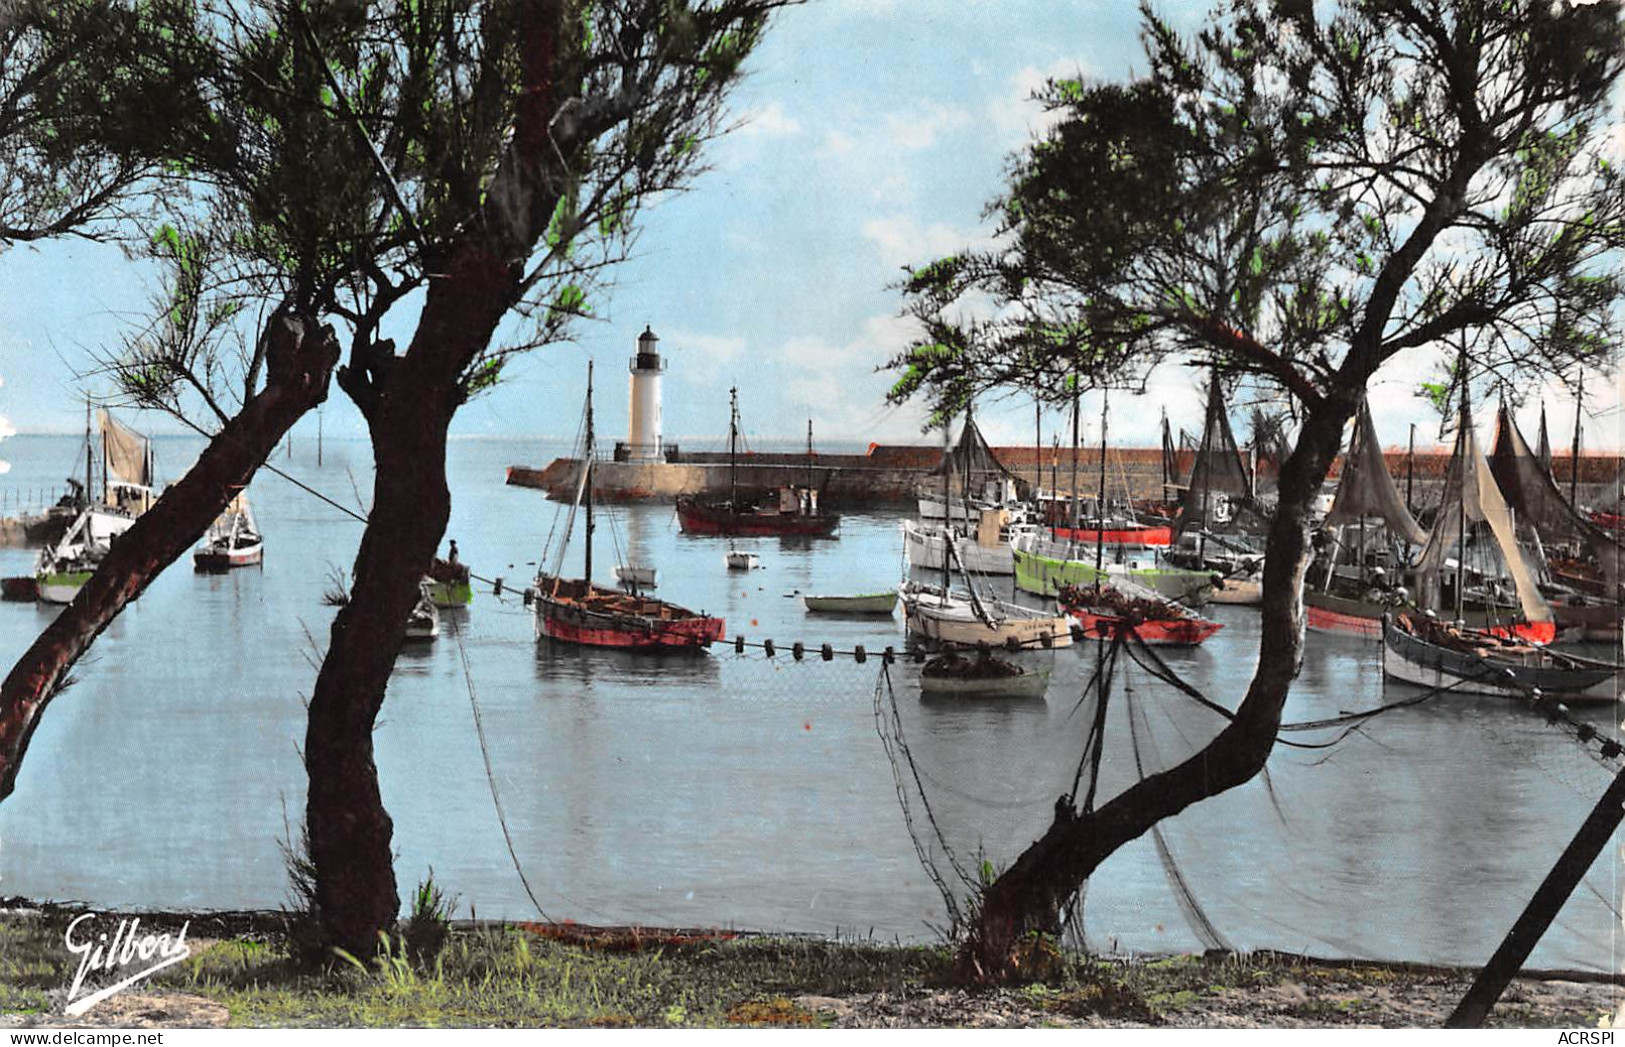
column 1410, row 472
column 88, row 454
column 1574, row 452
column 591, row 455
column 809, row 461
column 1167, row 442
column 1075, row 396
column 1461, row 494
column 1100, row 503
column 947, row 510
column 733, row 450
column 1038, row 444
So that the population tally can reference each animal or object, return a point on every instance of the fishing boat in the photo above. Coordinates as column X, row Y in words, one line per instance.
column 985, row 551
column 739, row 560
column 1366, row 541
column 1107, row 611
column 1429, row 653
column 61, row 570
column 1500, row 588
column 574, row 610
column 966, row 620
column 424, row 622
column 20, row 588
column 233, row 540
column 788, row 510
column 449, row 582
column 951, row 674
column 868, row 603
column 1215, row 502
column 1043, row 566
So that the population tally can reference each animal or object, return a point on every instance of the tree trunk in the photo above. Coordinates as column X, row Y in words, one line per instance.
column 299, row 358
column 409, row 402
column 1029, row 895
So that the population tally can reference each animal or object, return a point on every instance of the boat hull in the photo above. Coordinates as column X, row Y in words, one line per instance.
column 60, row 586
column 952, row 622
column 1328, row 613
column 1125, row 536
column 221, row 560
column 699, row 518
column 22, row 588
column 1410, row 659
column 608, row 618
column 1032, row 683
column 872, row 603
column 1181, row 632
column 450, row 593
column 1045, row 576
column 1240, row 592
column 925, row 550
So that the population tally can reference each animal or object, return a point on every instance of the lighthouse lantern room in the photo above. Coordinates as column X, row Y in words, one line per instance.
column 643, row 442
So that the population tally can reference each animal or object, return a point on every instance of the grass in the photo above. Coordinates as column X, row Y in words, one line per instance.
column 515, row 976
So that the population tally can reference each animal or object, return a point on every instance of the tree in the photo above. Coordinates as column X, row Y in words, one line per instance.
column 1296, row 196
column 492, row 154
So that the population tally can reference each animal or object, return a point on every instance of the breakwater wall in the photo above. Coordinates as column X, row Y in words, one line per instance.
column 894, row 474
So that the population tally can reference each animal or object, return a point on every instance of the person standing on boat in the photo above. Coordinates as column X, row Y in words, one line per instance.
column 451, row 557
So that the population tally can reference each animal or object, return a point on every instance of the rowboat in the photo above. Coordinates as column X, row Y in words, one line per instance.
column 739, row 561
column 951, row 674
column 424, row 622
column 869, row 603
column 1430, row 654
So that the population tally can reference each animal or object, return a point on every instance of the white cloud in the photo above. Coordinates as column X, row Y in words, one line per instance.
column 713, row 349
column 919, row 128
column 6, row 428
column 769, row 121
column 839, row 385
column 904, row 241
column 1013, row 114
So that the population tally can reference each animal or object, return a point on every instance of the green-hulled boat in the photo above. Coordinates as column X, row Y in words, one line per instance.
column 1042, row 567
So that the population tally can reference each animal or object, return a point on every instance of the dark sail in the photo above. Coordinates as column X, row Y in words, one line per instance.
column 972, row 462
column 1218, row 468
column 1530, row 492
column 1366, row 490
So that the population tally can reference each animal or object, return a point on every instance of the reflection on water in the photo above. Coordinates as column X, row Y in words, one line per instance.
column 737, row 790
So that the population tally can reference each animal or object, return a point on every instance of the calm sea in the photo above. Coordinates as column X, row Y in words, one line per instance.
column 733, row 790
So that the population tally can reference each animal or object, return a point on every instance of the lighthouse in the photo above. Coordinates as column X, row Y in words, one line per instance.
column 643, row 423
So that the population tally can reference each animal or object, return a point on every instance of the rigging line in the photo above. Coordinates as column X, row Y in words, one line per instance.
column 1097, row 730
column 925, row 802
column 883, row 684
column 1195, row 917
column 271, row 468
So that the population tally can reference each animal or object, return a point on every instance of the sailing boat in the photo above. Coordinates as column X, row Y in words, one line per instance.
column 1553, row 523
column 63, row 567
column 1370, row 531
column 941, row 615
column 1219, row 492
column 1471, row 496
column 787, row 510
column 574, row 610
column 981, row 527
column 1044, row 566
column 233, row 540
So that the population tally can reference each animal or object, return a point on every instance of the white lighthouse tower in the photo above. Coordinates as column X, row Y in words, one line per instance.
column 643, row 427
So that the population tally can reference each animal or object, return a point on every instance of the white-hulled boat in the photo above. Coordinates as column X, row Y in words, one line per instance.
column 1430, row 654
column 61, row 570
column 985, row 552
column 868, row 603
column 424, row 622
column 949, row 617
column 233, row 540
column 738, row 560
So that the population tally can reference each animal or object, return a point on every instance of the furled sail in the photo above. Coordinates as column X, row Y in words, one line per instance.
column 1471, row 495
column 1530, row 492
column 972, row 461
column 1365, row 490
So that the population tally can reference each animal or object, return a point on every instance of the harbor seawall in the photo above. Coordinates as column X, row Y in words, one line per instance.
column 892, row 475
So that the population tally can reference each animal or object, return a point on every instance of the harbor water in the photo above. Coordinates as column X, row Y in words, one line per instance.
column 736, row 790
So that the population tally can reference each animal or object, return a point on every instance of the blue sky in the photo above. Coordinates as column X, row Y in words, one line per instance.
column 872, row 133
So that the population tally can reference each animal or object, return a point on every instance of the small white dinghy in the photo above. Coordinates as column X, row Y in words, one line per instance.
column 424, row 623
column 739, row 561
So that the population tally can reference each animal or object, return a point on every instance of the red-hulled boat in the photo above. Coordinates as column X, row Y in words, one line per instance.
column 1329, row 613
column 1103, row 612
column 1127, row 534
column 1608, row 521
column 573, row 610
column 787, row 510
